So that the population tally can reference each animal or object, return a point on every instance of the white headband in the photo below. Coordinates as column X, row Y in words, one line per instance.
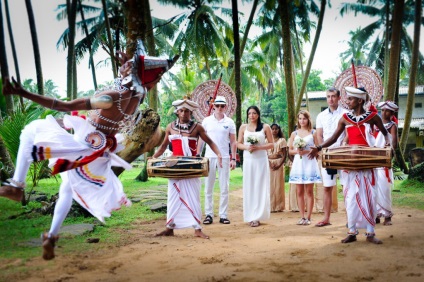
column 188, row 104
column 388, row 105
column 355, row 92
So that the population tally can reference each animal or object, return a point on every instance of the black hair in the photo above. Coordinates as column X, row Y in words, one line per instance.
column 280, row 133
column 260, row 125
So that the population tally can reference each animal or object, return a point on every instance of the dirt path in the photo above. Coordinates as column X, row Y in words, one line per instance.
column 278, row 250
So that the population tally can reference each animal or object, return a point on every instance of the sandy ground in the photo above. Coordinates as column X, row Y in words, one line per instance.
column 278, row 250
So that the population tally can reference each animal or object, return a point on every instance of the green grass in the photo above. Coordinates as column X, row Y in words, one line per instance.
column 408, row 193
column 19, row 224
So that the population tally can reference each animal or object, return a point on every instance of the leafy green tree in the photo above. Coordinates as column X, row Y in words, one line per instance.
column 314, row 81
column 380, row 31
column 357, row 50
column 201, row 38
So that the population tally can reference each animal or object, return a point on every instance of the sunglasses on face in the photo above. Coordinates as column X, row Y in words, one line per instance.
column 220, row 106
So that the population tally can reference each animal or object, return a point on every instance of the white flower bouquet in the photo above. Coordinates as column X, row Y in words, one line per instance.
column 253, row 140
column 300, row 144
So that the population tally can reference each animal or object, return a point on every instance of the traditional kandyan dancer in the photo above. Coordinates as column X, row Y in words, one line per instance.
column 385, row 181
column 358, row 185
column 84, row 159
column 183, row 206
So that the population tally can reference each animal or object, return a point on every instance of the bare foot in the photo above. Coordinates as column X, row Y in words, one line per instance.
column 387, row 221
column 349, row 239
column 199, row 233
column 11, row 192
column 373, row 239
column 166, row 232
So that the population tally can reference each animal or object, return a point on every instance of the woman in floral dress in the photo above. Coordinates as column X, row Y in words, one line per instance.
column 304, row 172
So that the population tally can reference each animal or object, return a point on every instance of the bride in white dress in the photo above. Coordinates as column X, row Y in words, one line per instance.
column 256, row 197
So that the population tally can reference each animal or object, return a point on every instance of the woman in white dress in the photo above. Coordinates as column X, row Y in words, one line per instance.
column 304, row 172
column 252, row 139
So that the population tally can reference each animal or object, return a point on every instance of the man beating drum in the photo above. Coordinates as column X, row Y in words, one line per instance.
column 183, row 206
column 358, row 185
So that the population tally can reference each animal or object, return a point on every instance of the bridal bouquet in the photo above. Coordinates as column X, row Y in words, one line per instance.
column 253, row 140
column 300, row 144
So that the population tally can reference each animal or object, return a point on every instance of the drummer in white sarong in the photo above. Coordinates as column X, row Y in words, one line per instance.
column 183, row 207
column 385, row 181
column 358, row 185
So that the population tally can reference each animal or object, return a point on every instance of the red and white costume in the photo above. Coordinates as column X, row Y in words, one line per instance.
column 385, row 181
column 359, row 185
column 183, row 208
column 83, row 159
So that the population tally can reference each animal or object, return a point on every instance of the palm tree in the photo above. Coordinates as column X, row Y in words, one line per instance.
column 311, row 56
column 109, row 38
column 71, row 9
column 202, row 33
column 12, row 44
column 356, row 49
column 244, row 40
column 35, row 46
column 393, row 78
column 237, row 61
column 382, row 26
column 4, row 156
column 287, row 61
column 90, row 51
column 412, row 77
column 95, row 30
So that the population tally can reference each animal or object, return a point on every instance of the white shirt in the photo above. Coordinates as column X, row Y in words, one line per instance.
column 219, row 131
column 328, row 121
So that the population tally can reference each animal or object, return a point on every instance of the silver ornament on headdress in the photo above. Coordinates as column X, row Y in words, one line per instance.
column 137, row 84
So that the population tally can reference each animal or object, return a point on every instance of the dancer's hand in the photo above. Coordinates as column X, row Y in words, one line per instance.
column 10, row 88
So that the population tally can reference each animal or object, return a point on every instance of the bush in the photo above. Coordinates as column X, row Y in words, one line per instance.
column 417, row 172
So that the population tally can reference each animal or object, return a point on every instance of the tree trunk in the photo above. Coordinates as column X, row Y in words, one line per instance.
column 12, row 44
column 4, row 65
column 146, row 136
column 386, row 45
column 71, row 9
column 244, row 40
column 134, row 22
column 287, row 62
column 237, row 62
column 412, row 77
column 4, row 155
column 109, row 38
column 151, row 49
column 395, row 50
column 36, row 47
column 90, row 51
column 312, row 55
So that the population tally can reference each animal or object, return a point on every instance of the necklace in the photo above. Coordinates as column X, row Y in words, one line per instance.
column 126, row 122
column 183, row 127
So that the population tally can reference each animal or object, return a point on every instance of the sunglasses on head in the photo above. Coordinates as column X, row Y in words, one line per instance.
column 220, row 106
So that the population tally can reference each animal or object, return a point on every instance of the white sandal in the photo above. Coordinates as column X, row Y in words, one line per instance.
column 301, row 221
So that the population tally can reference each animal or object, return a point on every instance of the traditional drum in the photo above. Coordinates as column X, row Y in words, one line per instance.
column 356, row 157
column 178, row 167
